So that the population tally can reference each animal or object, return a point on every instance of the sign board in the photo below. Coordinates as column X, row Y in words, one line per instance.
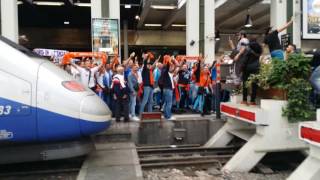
column 285, row 40
column 105, row 35
column 311, row 19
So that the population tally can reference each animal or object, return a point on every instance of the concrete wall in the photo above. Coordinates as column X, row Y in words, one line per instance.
column 65, row 38
column 157, row 38
column 69, row 38
column 308, row 45
column 193, row 132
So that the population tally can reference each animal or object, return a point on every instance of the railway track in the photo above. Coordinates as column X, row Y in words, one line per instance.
column 184, row 156
column 69, row 167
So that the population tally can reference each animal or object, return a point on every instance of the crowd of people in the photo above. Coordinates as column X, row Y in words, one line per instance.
column 167, row 84
column 171, row 83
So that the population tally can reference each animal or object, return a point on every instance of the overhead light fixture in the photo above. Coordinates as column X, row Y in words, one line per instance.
column 82, row 4
column 248, row 22
column 137, row 17
column 181, row 3
column 66, row 22
column 266, row 2
column 217, row 36
column 153, row 25
column 178, row 25
column 48, row 3
column 127, row 6
column 163, row 7
column 19, row 2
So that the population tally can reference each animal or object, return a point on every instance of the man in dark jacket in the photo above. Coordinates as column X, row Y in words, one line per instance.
column 166, row 82
column 148, row 82
column 251, row 66
column 183, row 85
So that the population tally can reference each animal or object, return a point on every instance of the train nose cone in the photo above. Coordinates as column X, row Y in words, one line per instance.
column 95, row 115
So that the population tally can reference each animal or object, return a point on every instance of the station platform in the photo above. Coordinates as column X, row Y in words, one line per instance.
column 309, row 132
column 112, row 161
column 263, row 128
column 186, row 129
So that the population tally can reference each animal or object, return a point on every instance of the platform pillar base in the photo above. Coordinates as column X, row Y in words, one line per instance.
column 264, row 128
column 246, row 158
column 309, row 169
column 221, row 138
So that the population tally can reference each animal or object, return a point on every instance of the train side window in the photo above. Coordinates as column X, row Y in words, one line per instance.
column 15, row 95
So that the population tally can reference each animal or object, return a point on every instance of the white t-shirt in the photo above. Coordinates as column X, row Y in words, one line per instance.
column 100, row 79
column 171, row 78
column 84, row 76
column 243, row 42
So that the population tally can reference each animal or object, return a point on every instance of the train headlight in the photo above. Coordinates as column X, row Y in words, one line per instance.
column 73, row 86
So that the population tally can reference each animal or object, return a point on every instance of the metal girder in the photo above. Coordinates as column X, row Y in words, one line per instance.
column 69, row 2
column 172, row 17
column 236, row 11
column 234, row 31
column 28, row 1
column 259, row 16
column 219, row 3
column 262, row 24
column 145, row 11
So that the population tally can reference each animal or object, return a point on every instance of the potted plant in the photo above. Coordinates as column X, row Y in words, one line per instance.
column 287, row 80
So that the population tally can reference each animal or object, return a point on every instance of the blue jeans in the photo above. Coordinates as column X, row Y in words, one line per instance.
column 157, row 97
column 147, row 98
column 198, row 104
column 278, row 54
column 167, row 93
column 132, row 104
column 194, row 93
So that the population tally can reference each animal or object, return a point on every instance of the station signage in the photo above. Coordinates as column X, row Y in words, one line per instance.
column 105, row 35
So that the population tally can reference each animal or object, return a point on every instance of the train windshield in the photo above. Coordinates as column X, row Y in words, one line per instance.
column 19, row 47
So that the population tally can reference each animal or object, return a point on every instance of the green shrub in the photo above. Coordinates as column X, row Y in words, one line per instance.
column 292, row 76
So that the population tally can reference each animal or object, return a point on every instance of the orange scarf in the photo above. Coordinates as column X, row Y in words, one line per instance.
column 204, row 79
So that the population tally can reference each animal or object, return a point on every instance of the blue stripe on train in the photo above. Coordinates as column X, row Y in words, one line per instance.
column 28, row 124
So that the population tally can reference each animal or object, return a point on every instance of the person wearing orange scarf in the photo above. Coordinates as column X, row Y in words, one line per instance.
column 204, row 83
column 148, row 83
column 183, row 86
column 167, row 83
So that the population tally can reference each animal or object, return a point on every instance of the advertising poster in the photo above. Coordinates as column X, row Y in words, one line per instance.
column 311, row 19
column 105, row 35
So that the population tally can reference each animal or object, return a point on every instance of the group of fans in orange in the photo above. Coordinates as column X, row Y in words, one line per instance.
column 168, row 83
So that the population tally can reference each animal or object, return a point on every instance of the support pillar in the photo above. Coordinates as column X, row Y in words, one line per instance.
column 296, row 35
column 114, row 9
column 9, row 19
column 114, row 13
column 192, row 30
column 96, row 10
column 209, row 31
column 125, row 40
column 278, row 14
column 107, row 9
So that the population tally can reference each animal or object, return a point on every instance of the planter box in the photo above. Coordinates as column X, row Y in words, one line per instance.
column 272, row 93
column 236, row 99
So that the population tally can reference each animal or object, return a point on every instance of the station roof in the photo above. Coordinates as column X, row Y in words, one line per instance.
column 153, row 14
